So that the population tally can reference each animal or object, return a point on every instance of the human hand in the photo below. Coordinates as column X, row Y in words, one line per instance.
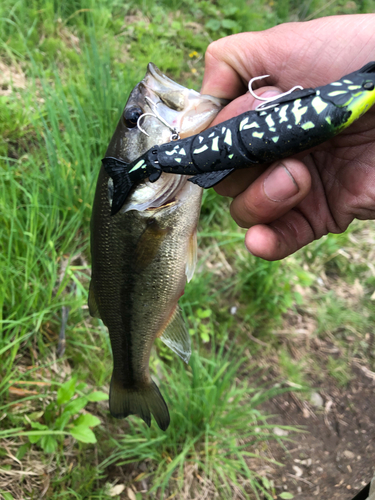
column 290, row 203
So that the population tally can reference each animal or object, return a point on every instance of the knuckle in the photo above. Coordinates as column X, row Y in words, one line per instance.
column 241, row 215
column 254, row 213
column 212, row 51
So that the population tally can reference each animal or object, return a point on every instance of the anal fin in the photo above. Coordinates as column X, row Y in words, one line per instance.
column 176, row 336
column 210, row 179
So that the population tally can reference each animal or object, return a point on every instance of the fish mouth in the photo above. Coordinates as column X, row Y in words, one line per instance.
column 184, row 110
column 169, row 92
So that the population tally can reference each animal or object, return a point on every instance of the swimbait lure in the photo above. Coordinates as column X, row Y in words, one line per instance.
column 285, row 126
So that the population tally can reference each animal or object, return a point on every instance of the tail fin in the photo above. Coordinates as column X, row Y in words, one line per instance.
column 141, row 400
column 118, row 171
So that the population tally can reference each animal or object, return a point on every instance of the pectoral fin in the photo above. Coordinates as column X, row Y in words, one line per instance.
column 210, row 179
column 176, row 336
column 191, row 255
column 149, row 244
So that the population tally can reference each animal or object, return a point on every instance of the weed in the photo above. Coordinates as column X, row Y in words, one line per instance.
column 340, row 370
column 64, row 415
column 293, row 371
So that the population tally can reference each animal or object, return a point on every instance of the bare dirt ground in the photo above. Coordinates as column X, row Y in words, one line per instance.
column 335, row 458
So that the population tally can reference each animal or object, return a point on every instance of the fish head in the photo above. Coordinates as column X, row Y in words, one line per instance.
column 184, row 110
column 157, row 108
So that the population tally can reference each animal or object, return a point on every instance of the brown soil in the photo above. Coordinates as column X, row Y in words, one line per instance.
column 335, row 458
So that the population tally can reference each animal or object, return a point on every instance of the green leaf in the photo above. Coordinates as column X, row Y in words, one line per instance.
column 229, row 24
column 34, row 439
column 87, row 420
column 61, row 421
column 83, row 433
column 49, row 444
column 204, row 313
column 6, row 495
column 22, row 450
column 36, row 415
column 76, row 405
column 266, row 483
column 97, row 396
column 66, row 391
column 205, row 337
column 213, row 24
column 37, row 425
column 229, row 11
column 286, row 495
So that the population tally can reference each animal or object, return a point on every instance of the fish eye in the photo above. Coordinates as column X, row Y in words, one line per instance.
column 131, row 116
column 368, row 85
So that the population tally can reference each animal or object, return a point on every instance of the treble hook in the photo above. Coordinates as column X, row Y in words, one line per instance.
column 175, row 135
column 262, row 106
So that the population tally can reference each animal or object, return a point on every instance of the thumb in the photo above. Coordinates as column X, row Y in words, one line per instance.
column 274, row 193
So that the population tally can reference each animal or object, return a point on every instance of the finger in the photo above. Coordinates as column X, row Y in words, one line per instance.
column 274, row 193
column 286, row 52
column 280, row 238
column 226, row 71
column 232, row 79
column 239, row 181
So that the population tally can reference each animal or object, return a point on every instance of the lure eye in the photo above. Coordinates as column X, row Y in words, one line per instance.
column 368, row 86
column 131, row 116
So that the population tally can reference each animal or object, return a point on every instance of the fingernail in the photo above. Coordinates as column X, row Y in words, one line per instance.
column 280, row 185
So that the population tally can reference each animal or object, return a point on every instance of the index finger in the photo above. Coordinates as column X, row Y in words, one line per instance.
column 309, row 54
column 225, row 77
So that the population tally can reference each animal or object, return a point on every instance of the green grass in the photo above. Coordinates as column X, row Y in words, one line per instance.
column 79, row 61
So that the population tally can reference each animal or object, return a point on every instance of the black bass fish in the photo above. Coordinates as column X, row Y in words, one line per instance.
column 143, row 256
column 286, row 125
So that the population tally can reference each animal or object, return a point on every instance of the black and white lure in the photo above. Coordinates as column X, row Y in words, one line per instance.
column 289, row 124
